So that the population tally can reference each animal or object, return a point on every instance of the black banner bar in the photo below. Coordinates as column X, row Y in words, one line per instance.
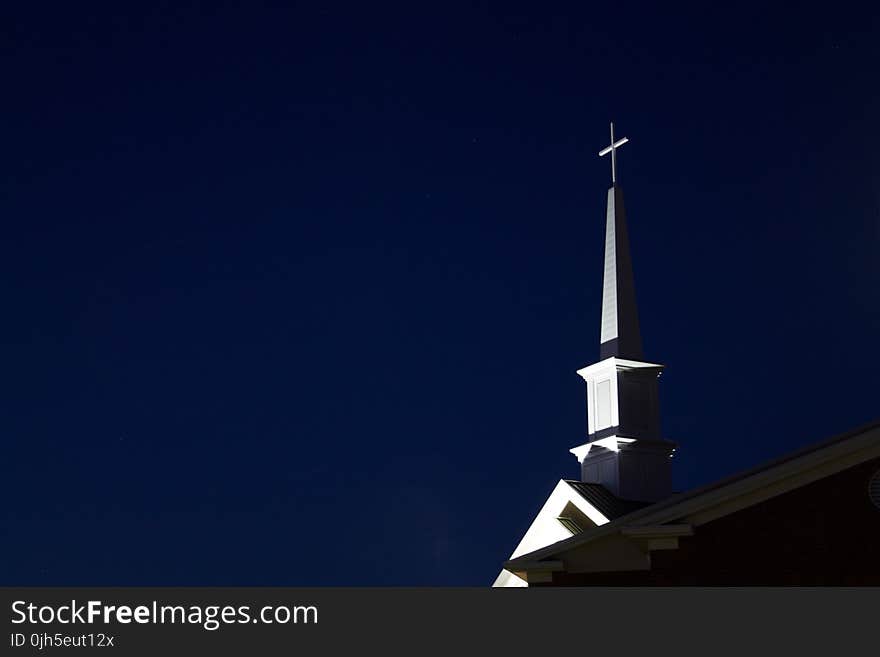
column 262, row 621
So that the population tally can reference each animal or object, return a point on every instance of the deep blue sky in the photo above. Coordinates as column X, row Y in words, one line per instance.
column 296, row 294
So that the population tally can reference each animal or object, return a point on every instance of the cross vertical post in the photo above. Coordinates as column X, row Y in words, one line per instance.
column 613, row 150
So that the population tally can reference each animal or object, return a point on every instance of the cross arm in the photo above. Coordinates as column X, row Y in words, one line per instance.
column 616, row 144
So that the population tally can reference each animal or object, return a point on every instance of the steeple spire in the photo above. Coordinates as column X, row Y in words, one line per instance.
column 620, row 335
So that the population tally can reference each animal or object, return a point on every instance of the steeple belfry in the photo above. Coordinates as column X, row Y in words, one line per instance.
column 625, row 451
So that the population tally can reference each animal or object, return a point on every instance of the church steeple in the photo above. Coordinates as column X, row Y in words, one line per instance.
column 625, row 451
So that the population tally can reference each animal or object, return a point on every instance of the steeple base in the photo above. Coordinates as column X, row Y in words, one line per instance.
column 632, row 469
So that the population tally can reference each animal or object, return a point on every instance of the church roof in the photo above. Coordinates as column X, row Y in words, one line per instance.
column 604, row 500
column 722, row 497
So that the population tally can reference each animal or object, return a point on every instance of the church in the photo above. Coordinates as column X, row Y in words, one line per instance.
column 809, row 518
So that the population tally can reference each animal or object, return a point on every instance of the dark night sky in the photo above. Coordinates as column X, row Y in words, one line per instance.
column 296, row 294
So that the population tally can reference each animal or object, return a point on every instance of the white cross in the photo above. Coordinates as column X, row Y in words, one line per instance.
column 613, row 150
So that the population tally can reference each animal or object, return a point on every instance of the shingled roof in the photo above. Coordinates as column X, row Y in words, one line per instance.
column 605, row 501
